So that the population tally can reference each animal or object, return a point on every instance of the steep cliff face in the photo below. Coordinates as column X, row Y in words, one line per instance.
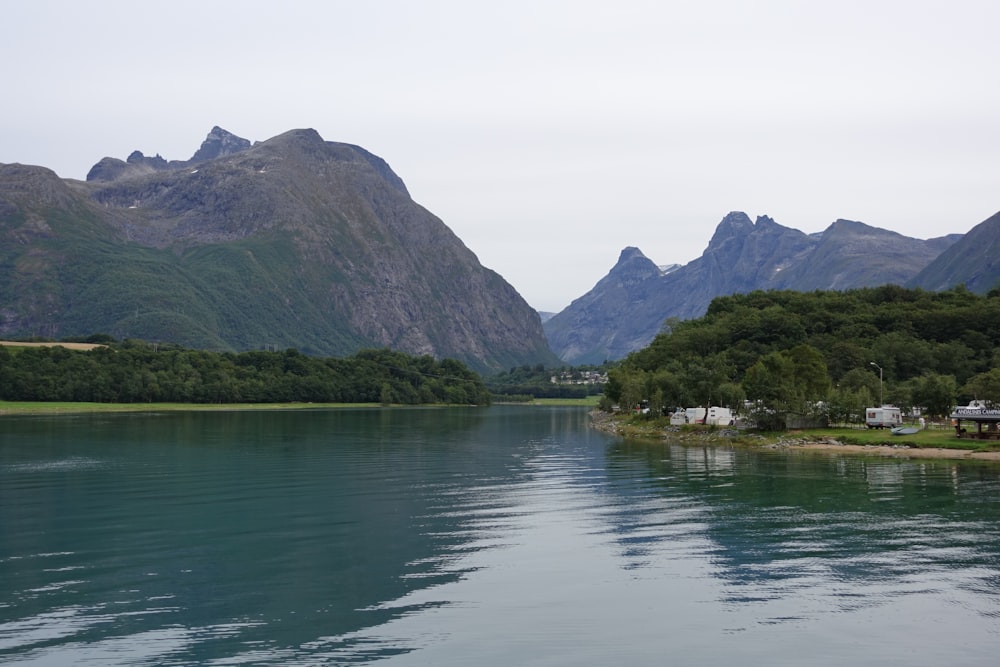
column 742, row 256
column 292, row 242
column 750, row 255
column 973, row 261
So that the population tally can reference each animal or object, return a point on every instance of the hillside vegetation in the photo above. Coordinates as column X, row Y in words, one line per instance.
column 293, row 242
column 138, row 372
column 819, row 355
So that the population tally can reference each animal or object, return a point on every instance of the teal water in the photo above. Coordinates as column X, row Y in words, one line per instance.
column 494, row 536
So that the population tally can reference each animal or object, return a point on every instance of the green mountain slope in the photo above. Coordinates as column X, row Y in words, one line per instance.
column 293, row 242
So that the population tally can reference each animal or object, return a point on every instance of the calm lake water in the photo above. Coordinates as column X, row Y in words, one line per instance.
column 496, row 536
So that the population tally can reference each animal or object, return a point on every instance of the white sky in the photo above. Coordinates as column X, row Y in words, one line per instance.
column 547, row 135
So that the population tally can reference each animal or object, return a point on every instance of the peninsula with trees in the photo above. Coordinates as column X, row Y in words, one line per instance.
column 783, row 357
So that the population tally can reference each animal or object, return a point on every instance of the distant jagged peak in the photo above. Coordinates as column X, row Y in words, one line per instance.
column 766, row 227
column 219, row 143
column 110, row 169
column 157, row 162
column 629, row 253
column 633, row 268
column 737, row 220
column 632, row 264
column 736, row 224
column 306, row 143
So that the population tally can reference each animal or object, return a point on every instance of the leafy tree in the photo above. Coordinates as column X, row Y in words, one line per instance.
column 935, row 393
column 984, row 387
column 847, row 406
column 666, row 389
column 769, row 386
column 633, row 391
column 861, row 378
column 137, row 372
column 844, row 356
column 812, row 380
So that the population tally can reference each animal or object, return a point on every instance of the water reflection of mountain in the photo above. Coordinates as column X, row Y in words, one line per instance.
column 774, row 522
column 244, row 516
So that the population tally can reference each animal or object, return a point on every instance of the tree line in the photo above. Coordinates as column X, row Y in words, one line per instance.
column 528, row 382
column 139, row 372
column 821, row 354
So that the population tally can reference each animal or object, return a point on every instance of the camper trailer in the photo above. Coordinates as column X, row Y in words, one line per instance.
column 695, row 415
column 883, row 417
column 713, row 416
column 719, row 416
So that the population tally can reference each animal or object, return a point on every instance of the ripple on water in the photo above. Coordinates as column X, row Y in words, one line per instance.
column 69, row 464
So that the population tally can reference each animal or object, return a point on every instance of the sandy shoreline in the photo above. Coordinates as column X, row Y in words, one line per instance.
column 890, row 451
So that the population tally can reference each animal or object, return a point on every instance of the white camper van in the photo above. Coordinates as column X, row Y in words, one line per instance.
column 883, row 417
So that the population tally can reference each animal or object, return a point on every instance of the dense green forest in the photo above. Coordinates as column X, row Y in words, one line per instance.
column 821, row 355
column 528, row 382
column 139, row 372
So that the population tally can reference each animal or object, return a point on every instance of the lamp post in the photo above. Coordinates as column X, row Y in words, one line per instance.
column 880, row 402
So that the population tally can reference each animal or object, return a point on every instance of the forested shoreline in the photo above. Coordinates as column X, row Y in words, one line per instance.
column 140, row 372
column 821, row 355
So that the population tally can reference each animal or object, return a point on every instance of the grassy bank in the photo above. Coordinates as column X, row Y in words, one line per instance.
column 589, row 401
column 55, row 407
column 927, row 438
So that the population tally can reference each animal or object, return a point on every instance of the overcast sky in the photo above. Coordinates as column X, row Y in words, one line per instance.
column 547, row 135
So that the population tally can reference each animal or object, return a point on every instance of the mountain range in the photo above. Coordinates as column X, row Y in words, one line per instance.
column 293, row 242
column 298, row 242
column 628, row 307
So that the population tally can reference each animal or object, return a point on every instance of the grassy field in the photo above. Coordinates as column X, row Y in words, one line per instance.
column 39, row 408
column 32, row 408
column 70, row 346
column 590, row 401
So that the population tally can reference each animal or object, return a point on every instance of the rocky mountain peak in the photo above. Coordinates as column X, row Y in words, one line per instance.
column 843, row 226
column 628, row 307
column 733, row 228
column 628, row 254
column 293, row 241
column 219, row 143
column 633, row 266
column 136, row 157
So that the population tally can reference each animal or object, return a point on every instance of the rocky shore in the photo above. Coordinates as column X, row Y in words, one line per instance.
column 606, row 422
